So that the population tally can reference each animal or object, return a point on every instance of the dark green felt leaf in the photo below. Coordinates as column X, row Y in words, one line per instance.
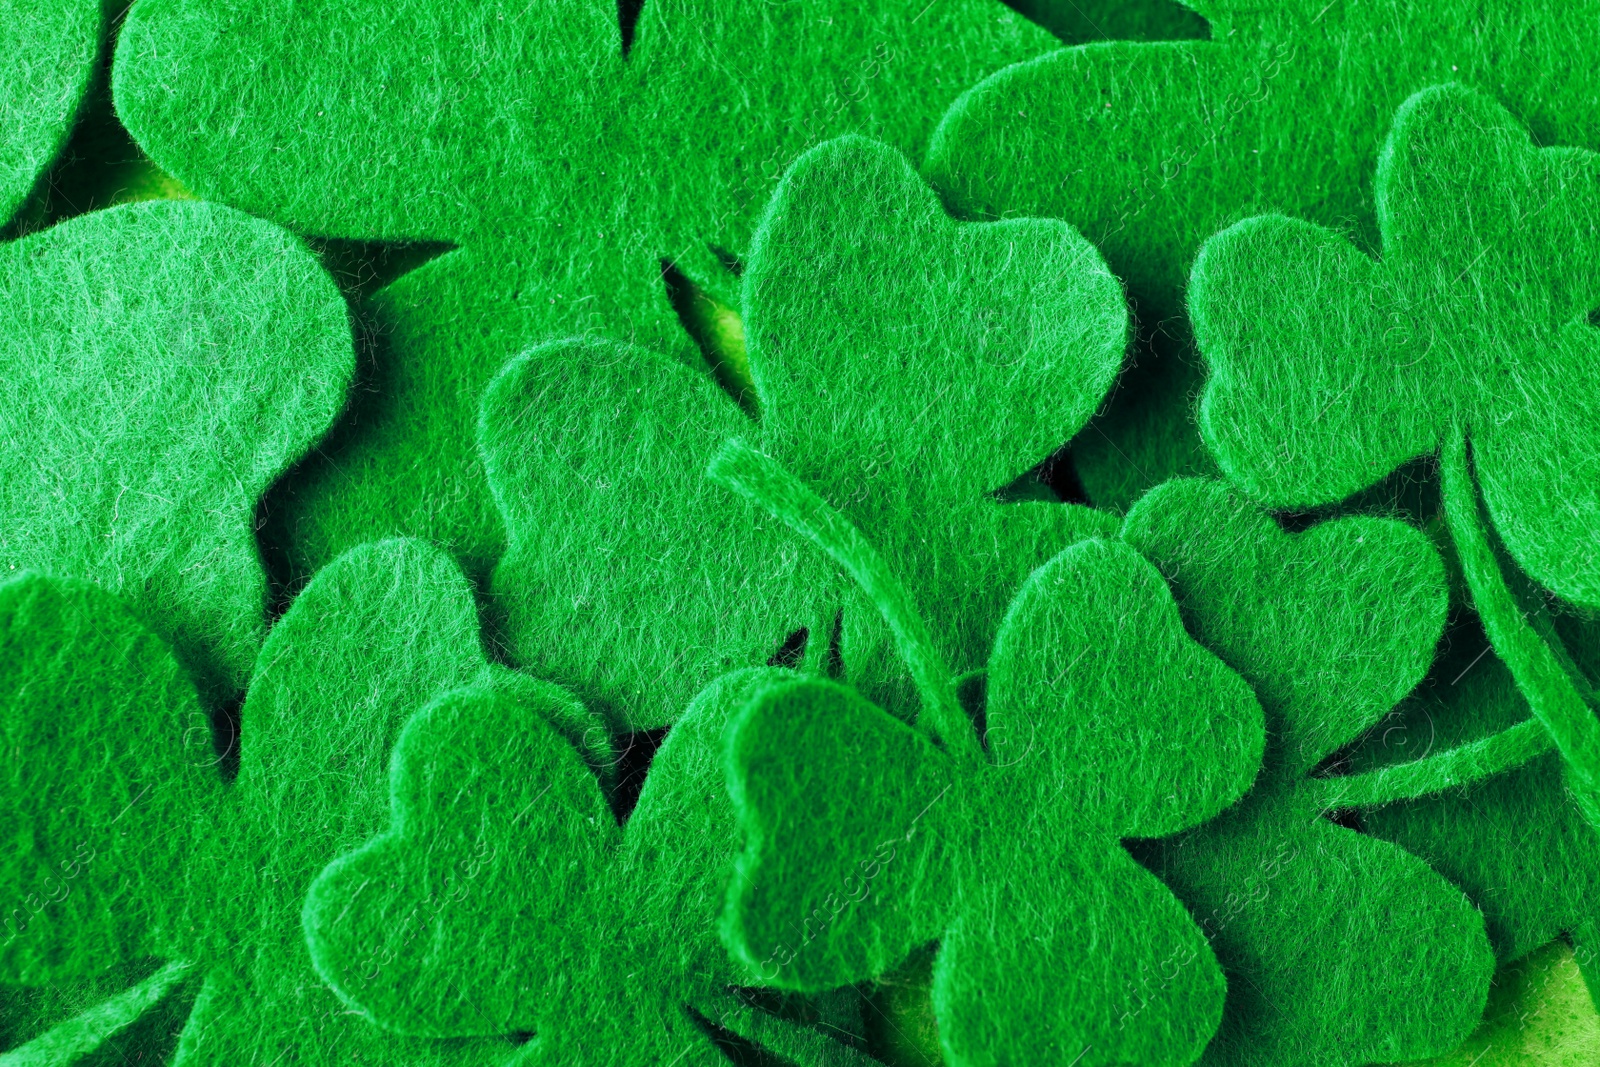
column 1329, row 369
column 1150, row 148
column 1096, row 631
column 566, row 171
column 1104, row 721
column 367, row 644
column 1515, row 843
column 397, row 902
column 110, row 770
column 502, row 899
column 907, row 366
column 162, row 363
column 1332, row 627
column 47, row 57
column 835, row 884
column 1340, row 950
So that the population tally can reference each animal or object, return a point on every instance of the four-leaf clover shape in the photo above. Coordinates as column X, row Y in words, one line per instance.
column 565, row 155
column 909, row 366
column 1471, row 337
column 1149, row 148
column 866, row 838
column 1341, row 949
column 131, row 843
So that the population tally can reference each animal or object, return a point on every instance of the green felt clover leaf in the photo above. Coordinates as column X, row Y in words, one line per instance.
column 47, row 58
column 1151, row 147
column 211, row 876
column 566, row 158
column 938, row 363
column 932, row 365
column 1340, row 949
column 504, row 899
column 1515, row 842
column 1471, row 336
column 865, row 839
column 162, row 363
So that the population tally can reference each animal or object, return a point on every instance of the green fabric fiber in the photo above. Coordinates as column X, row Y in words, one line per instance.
column 1151, row 147
column 1516, row 842
column 215, row 872
column 503, row 898
column 566, row 168
column 1339, row 949
column 862, row 841
column 1330, row 369
column 631, row 580
column 160, row 365
column 47, row 58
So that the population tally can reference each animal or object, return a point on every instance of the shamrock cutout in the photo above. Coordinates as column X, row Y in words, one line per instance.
column 163, row 363
column 864, row 839
column 504, row 899
column 1150, row 148
column 1340, row 949
column 566, row 160
column 49, row 49
column 911, row 384
column 209, row 877
column 1514, row 841
column 1465, row 336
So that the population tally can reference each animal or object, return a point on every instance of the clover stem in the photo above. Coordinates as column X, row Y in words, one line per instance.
column 1525, row 645
column 763, row 480
column 1463, row 765
column 83, row 1034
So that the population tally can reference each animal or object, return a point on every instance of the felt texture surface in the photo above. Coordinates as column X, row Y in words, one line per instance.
column 1516, row 843
column 1151, row 147
column 49, row 49
column 1340, row 949
column 162, row 364
column 863, row 840
column 566, row 160
column 1330, row 369
column 224, row 869
column 119, row 766
column 936, row 363
column 633, row 581
column 503, row 898
column 628, row 577
column 1539, row 1015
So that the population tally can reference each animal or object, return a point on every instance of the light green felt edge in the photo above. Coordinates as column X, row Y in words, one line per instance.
column 86, row 1034
column 49, row 48
column 1150, row 148
column 162, row 363
column 278, row 109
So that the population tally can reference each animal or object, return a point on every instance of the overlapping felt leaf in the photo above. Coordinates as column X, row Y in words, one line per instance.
column 504, row 899
column 219, row 880
column 162, row 364
column 1150, row 148
column 49, row 49
column 119, row 766
column 1330, row 369
column 1340, row 949
column 1471, row 336
column 912, row 366
column 863, row 840
column 935, row 364
column 1514, row 842
column 566, row 159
